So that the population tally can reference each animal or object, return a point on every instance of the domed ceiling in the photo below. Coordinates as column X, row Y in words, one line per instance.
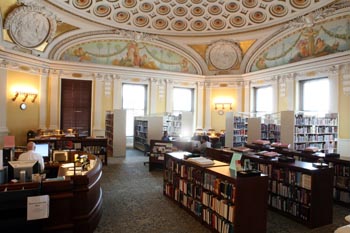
column 207, row 37
column 190, row 17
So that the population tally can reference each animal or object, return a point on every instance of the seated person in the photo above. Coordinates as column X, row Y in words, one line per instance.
column 165, row 136
column 204, row 145
column 30, row 154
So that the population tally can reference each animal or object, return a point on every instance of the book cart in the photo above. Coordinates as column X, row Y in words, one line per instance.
column 215, row 196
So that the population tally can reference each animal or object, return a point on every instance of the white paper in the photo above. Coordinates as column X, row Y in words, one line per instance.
column 38, row 207
column 1, row 160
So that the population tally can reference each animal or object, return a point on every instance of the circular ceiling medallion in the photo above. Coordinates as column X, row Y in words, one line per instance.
column 82, row 4
column 29, row 27
column 146, row 7
column 163, row 10
column 121, row 17
column 129, row 3
column 224, row 55
column 198, row 25
column 217, row 24
column 258, row 16
column 215, row 10
column 278, row 10
column 197, row 11
column 232, row 7
column 141, row 21
column 300, row 3
column 237, row 21
column 160, row 23
column 180, row 11
column 250, row 3
column 102, row 10
column 179, row 25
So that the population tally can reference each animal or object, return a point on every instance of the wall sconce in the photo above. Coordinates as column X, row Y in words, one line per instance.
column 222, row 106
column 229, row 105
column 25, row 96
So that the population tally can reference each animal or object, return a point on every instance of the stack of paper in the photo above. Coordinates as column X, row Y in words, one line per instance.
column 201, row 161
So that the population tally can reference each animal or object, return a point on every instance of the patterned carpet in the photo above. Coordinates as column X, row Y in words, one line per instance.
column 134, row 202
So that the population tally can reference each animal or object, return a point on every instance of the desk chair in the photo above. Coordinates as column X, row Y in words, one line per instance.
column 146, row 152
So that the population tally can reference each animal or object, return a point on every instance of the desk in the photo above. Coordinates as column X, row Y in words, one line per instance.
column 75, row 202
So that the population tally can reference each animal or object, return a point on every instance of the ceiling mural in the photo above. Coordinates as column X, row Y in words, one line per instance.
column 206, row 37
column 309, row 42
column 130, row 54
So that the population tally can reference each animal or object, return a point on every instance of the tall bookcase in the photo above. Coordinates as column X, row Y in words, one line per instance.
column 298, row 190
column 177, row 125
column 145, row 129
column 236, row 129
column 116, row 133
column 215, row 196
column 271, row 127
column 319, row 131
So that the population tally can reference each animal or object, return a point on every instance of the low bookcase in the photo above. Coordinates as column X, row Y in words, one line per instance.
column 215, row 196
column 297, row 189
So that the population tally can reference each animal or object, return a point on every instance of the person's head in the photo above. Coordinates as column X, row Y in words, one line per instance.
column 165, row 133
column 31, row 146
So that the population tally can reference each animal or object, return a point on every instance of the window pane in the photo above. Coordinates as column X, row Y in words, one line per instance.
column 134, row 96
column 182, row 99
column 263, row 99
column 315, row 95
column 134, row 101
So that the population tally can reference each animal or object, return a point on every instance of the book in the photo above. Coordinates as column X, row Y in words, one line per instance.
column 201, row 161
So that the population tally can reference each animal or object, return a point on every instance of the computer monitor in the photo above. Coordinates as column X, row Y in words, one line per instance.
column 30, row 166
column 43, row 149
column 60, row 156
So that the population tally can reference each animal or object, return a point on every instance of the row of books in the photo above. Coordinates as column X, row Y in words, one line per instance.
column 190, row 189
column 313, row 120
column 293, row 192
column 292, row 177
column 217, row 222
column 219, row 187
column 220, row 205
column 341, row 170
column 316, row 129
column 342, row 196
column 313, row 138
column 289, row 206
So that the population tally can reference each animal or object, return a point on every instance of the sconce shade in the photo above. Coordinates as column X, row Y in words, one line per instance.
column 25, row 96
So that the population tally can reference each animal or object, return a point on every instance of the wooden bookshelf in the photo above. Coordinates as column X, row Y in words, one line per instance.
column 341, row 186
column 297, row 189
column 234, row 201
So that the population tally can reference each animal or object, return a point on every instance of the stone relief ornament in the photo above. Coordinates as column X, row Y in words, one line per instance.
column 30, row 26
column 224, row 55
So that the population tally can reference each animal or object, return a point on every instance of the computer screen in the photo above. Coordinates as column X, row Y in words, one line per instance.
column 60, row 156
column 29, row 166
column 43, row 149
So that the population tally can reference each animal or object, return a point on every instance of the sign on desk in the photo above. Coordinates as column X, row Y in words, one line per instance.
column 38, row 207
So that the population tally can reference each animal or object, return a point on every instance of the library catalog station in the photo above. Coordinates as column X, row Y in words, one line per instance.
column 217, row 108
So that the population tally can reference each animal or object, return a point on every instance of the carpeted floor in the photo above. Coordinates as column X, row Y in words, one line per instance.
column 133, row 201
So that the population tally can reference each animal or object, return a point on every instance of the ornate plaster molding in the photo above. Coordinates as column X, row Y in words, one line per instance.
column 30, row 26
